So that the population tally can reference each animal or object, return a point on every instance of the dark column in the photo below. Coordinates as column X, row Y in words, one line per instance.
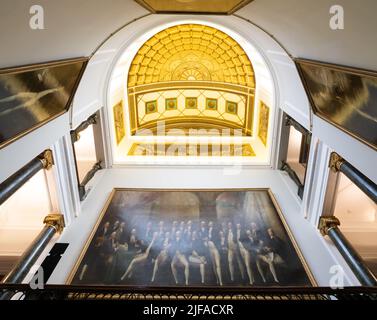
column 18, row 179
column 329, row 226
column 30, row 256
column 338, row 164
column 364, row 183
column 54, row 223
column 90, row 174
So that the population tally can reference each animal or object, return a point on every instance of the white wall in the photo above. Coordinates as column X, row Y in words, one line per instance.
column 72, row 28
column 302, row 26
column 21, row 216
column 21, row 219
column 354, row 208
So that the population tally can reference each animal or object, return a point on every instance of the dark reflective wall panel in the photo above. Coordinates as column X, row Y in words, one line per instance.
column 33, row 95
column 343, row 96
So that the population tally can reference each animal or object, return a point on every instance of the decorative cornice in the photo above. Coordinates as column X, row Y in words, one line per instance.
column 56, row 221
column 336, row 162
column 47, row 159
column 327, row 223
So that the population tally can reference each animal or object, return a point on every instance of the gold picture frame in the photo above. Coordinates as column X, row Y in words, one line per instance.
column 342, row 96
column 119, row 127
column 33, row 95
column 264, row 119
column 270, row 194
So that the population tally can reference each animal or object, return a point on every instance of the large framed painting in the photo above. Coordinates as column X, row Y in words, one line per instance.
column 167, row 238
column 345, row 97
column 33, row 95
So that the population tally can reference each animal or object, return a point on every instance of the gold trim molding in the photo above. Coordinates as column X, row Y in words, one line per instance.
column 336, row 162
column 242, row 120
column 56, row 221
column 264, row 117
column 47, row 159
column 327, row 223
column 220, row 7
column 119, row 127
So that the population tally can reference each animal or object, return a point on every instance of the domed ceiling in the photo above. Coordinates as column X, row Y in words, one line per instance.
column 191, row 77
column 191, row 52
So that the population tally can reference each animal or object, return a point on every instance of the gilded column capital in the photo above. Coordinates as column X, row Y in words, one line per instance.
column 327, row 223
column 47, row 159
column 56, row 221
column 335, row 162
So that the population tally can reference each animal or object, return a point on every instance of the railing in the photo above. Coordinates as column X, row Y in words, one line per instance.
column 19, row 178
column 328, row 225
column 338, row 164
column 89, row 175
column 293, row 175
column 304, row 151
column 63, row 292
column 75, row 136
column 54, row 223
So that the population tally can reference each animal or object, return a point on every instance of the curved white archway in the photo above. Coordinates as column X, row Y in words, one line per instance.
column 288, row 93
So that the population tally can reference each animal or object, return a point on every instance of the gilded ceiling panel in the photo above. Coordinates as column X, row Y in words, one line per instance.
column 191, row 52
column 191, row 74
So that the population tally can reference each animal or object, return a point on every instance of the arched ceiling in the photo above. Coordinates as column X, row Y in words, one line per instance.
column 191, row 52
column 191, row 76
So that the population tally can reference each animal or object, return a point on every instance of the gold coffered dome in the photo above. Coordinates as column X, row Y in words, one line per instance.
column 191, row 52
column 191, row 76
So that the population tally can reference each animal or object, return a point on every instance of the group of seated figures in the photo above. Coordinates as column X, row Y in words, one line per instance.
column 217, row 250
